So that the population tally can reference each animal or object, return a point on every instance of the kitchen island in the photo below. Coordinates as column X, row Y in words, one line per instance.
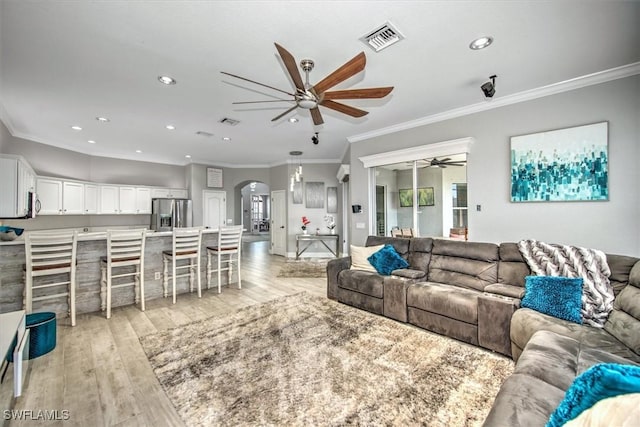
column 92, row 246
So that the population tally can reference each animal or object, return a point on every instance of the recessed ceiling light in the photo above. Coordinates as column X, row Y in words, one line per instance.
column 91, row 141
column 293, row 120
column 170, row 127
column 166, row 80
column 76, row 128
column 138, row 151
column 481, row 43
column 226, row 138
column 102, row 119
column 188, row 156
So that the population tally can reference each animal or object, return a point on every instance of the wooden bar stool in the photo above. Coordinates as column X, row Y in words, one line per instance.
column 125, row 248
column 186, row 244
column 229, row 244
column 50, row 253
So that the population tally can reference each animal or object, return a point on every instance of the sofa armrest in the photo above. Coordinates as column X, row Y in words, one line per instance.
column 504, row 290
column 334, row 267
column 395, row 297
column 409, row 273
column 494, row 321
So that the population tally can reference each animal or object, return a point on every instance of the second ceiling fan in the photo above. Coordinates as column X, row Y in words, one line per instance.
column 310, row 97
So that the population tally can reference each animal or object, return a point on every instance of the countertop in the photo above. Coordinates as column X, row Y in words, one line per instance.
column 102, row 235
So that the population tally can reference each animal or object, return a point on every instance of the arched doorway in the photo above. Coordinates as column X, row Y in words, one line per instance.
column 254, row 207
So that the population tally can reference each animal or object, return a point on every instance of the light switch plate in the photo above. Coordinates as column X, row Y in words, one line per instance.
column 360, row 225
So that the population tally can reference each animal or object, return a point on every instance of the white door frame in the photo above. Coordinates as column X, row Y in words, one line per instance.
column 273, row 227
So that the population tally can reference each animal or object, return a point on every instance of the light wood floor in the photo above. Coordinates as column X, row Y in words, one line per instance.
column 98, row 371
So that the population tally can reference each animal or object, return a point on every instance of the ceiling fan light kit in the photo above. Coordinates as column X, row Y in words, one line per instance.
column 310, row 97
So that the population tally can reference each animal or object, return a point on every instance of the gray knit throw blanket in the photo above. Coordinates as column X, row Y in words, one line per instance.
column 546, row 259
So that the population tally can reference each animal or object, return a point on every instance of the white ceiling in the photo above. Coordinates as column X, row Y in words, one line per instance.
column 64, row 63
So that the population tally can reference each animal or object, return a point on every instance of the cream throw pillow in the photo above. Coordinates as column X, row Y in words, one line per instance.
column 359, row 255
column 619, row 411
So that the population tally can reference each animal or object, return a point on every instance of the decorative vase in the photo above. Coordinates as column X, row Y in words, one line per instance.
column 332, row 231
column 304, row 231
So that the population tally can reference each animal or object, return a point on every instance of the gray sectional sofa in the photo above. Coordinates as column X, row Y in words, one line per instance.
column 471, row 292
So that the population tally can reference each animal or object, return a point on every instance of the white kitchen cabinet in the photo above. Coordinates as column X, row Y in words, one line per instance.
column 90, row 199
column 179, row 193
column 17, row 180
column 50, row 196
column 72, row 198
column 159, row 193
column 169, row 193
column 109, row 199
column 143, row 200
column 127, row 200
column 26, row 185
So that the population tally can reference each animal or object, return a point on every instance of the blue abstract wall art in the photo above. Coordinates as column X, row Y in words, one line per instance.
column 561, row 165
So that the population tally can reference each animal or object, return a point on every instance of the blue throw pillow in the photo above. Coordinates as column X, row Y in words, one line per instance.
column 386, row 260
column 559, row 297
column 599, row 382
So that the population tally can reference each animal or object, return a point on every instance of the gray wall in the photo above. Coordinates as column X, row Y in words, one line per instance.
column 611, row 226
column 5, row 138
column 312, row 173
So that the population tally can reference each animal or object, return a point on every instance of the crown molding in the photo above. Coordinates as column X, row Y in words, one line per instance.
column 528, row 95
column 444, row 148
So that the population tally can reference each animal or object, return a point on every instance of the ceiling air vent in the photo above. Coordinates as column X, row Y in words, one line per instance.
column 204, row 133
column 230, row 122
column 382, row 37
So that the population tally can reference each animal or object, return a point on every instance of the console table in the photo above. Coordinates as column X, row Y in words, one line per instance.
column 322, row 238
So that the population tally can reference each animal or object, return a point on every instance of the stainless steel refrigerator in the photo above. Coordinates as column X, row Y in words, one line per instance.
column 169, row 213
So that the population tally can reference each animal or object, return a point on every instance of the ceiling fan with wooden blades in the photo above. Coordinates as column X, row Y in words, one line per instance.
column 310, row 97
column 443, row 163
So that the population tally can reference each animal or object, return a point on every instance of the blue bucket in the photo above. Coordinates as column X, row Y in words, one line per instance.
column 42, row 335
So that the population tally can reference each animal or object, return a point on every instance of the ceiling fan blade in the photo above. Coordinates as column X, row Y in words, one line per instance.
column 342, row 108
column 261, row 84
column 316, row 116
column 354, row 66
column 285, row 113
column 376, row 92
column 271, row 100
column 291, row 65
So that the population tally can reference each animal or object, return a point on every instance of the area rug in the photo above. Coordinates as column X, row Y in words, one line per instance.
column 301, row 268
column 302, row 360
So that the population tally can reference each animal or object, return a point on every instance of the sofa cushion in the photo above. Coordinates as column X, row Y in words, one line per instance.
column 620, row 266
column 512, row 268
column 624, row 321
column 559, row 297
column 450, row 301
column 386, row 260
column 526, row 322
column 360, row 257
column 420, row 253
column 599, row 382
column 400, row 244
column 623, row 410
column 467, row 264
column 364, row 282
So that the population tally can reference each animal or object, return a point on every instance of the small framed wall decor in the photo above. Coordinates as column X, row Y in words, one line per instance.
column 561, row 165
column 214, row 177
